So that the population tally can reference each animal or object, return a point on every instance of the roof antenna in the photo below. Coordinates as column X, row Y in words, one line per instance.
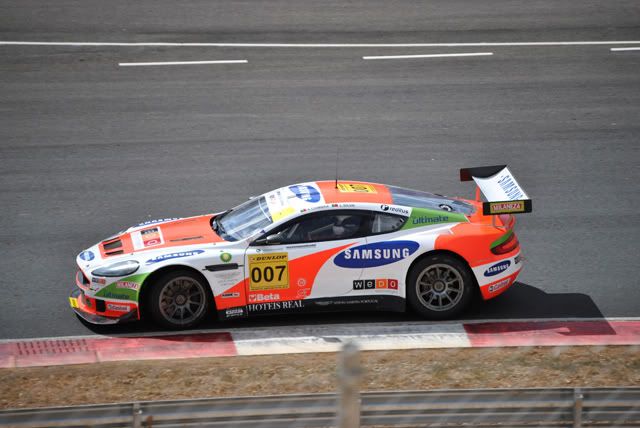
column 336, row 165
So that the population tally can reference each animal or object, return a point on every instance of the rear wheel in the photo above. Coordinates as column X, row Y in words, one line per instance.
column 440, row 287
column 179, row 299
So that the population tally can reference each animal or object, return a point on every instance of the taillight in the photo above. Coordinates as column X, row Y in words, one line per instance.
column 506, row 244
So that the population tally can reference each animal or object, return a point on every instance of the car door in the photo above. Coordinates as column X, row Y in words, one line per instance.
column 290, row 266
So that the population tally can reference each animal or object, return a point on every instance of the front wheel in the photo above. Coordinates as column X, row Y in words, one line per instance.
column 439, row 287
column 179, row 299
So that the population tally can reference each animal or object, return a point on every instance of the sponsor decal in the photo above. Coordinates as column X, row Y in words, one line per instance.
column 253, row 298
column 160, row 220
column 356, row 188
column 173, row 256
column 285, row 212
column 303, row 293
column 87, row 256
column 510, row 187
column 499, row 285
column 518, row 259
column 306, row 193
column 378, row 283
column 225, row 257
column 119, row 308
column 275, row 306
column 421, row 217
column 230, row 295
column 430, row 220
column 302, row 282
column 497, row 268
column 395, row 210
column 376, row 254
column 268, row 271
column 129, row 285
column 234, row 312
column 151, row 237
column 506, row 207
column 110, row 295
column 381, row 283
column 98, row 280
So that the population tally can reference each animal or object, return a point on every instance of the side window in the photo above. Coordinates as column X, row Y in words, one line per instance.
column 386, row 223
column 326, row 226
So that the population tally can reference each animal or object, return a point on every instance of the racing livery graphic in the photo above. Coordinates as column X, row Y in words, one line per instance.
column 317, row 246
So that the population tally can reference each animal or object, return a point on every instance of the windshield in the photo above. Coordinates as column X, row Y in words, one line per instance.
column 244, row 220
column 418, row 199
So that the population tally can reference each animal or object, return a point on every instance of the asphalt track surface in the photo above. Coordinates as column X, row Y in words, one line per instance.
column 88, row 147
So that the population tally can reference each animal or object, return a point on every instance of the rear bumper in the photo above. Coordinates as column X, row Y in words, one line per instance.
column 87, row 310
column 491, row 284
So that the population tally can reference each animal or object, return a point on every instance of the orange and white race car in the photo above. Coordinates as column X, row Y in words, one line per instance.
column 316, row 246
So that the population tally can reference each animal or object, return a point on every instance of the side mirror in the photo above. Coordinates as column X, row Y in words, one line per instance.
column 274, row 239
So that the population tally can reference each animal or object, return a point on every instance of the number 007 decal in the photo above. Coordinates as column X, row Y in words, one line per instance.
column 268, row 271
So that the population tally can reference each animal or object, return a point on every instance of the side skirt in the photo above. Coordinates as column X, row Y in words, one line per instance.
column 324, row 304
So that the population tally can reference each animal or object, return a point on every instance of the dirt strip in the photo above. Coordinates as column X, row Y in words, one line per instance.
column 309, row 373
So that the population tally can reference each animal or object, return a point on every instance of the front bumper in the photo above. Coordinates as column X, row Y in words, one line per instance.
column 88, row 311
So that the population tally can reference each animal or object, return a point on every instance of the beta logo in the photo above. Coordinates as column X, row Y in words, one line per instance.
column 497, row 268
column 306, row 193
column 377, row 254
column 87, row 256
column 173, row 256
column 254, row 298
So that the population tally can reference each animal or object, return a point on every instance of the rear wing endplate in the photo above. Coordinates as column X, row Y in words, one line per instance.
column 501, row 189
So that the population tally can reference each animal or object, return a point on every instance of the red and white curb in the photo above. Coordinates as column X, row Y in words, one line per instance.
column 324, row 338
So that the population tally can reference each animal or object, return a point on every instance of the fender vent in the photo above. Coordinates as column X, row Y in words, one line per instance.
column 112, row 245
column 112, row 248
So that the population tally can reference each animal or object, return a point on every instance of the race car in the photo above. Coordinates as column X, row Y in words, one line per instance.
column 315, row 246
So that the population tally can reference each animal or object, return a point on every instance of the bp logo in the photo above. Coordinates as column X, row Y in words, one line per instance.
column 225, row 257
column 377, row 254
column 497, row 268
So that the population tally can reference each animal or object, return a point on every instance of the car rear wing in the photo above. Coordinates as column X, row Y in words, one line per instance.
column 500, row 188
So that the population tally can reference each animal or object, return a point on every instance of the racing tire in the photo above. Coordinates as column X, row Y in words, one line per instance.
column 179, row 299
column 440, row 287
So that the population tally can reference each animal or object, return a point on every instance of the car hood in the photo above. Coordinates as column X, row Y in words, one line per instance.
column 153, row 235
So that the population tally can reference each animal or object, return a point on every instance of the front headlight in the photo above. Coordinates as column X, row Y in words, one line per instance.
column 117, row 269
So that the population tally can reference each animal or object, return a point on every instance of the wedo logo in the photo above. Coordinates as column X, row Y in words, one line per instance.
column 379, row 283
column 378, row 254
column 497, row 268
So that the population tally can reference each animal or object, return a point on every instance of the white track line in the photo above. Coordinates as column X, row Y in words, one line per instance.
column 146, row 64
column 323, row 45
column 624, row 49
column 324, row 330
column 429, row 56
